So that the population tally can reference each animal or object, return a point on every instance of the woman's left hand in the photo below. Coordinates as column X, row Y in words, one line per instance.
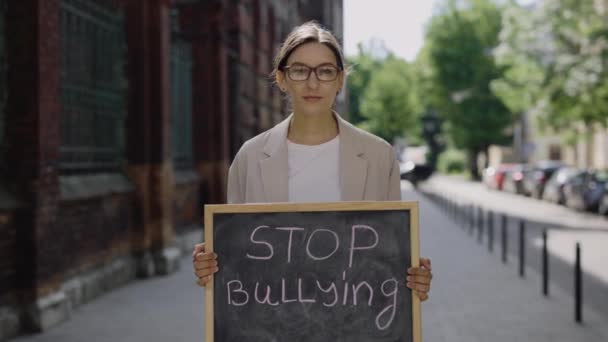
column 419, row 279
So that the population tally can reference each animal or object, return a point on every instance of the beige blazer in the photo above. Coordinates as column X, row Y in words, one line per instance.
column 368, row 168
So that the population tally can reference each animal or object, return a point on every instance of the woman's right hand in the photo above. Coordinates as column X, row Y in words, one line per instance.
column 205, row 264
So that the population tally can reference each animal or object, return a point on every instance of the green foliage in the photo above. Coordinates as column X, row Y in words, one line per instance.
column 520, row 85
column 556, row 61
column 382, row 96
column 387, row 104
column 363, row 67
column 458, row 50
column 452, row 161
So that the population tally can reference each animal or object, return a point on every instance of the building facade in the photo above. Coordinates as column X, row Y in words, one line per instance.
column 118, row 122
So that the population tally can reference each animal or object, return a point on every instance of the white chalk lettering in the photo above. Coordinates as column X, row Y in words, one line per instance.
column 266, row 299
column 352, row 241
column 302, row 300
column 336, row 239
column 291, row 230
column 332, row 287
column 345, row 288
column 284, row 293
column 237, row 290
column 270, row 249
column 356, row 289
column 392, row 307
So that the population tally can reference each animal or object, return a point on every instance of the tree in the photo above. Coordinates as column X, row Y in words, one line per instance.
column 363, row 67
column 459, row 43
column 556, row 61
column 387, row 104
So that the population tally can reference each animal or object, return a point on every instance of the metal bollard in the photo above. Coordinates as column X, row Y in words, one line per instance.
column 545, row 265
column 448, row 206
column 465, row 215
column 459, row 214
column 578, row 286
column 490, row 231
column 453, row 209
column 504, row 238
column 472, row 219
column 522, row 248
column 480, row 224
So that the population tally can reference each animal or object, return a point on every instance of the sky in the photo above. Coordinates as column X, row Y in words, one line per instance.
column 399, row 23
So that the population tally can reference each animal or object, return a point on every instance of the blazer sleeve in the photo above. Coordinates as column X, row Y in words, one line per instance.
column 235, row 193
column 394, row 179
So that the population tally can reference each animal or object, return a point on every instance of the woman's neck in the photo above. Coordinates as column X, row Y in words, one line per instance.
column 312, row 130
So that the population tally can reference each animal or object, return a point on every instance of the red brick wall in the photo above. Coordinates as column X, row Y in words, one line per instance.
column 187, row 209
column 45, row 229
column 32, row 130
column 88, row 232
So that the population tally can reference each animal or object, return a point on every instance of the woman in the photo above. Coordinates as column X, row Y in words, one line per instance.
column 313, row 155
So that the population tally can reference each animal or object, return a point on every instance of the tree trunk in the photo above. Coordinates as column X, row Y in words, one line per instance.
column 486, row 151
column 473, row 164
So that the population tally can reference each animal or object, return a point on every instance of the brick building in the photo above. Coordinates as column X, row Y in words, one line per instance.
column 118, row 121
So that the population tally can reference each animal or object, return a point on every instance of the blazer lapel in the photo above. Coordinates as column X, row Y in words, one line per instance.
column 274, row 169
column 353, row 167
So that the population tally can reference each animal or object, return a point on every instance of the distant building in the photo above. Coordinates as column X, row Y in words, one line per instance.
column 579, row 146
column 590, row 150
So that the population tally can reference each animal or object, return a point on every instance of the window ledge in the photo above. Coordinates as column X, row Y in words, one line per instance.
column 75, row 187
column 182, row 177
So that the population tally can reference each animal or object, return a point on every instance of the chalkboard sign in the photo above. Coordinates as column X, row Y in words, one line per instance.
column 312, row 272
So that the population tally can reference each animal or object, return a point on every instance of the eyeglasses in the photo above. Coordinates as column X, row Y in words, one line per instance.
column 300, row 72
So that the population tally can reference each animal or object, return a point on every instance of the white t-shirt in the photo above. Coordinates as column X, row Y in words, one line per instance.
column 314, row 172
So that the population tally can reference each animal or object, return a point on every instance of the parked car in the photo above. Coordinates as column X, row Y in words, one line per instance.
column 602, row 208
column 536, row 177
column 513, row 179
column 554, row 187
column 585, row 190
column 414, row 173
column 494, row 177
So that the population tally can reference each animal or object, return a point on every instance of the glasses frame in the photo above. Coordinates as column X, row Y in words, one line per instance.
column 311, row 70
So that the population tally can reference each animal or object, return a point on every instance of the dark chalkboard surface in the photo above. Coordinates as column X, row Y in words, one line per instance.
column 312, row 272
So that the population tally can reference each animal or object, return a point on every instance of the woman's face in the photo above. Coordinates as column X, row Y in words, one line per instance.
column 311, row 96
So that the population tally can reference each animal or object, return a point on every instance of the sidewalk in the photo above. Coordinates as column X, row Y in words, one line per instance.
column 531, row 209
column 477, row 298
column 565, row 227
column 474, row 298
column 167, row 309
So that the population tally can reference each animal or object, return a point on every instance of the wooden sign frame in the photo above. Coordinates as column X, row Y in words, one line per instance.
column 411, row 206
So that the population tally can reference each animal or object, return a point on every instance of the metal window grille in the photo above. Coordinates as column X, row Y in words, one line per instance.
column 181, row 102
column 92, row 86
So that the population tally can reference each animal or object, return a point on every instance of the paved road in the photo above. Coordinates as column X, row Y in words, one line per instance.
column 474, row 298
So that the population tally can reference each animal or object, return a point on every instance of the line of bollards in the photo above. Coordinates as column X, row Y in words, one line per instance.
column 470, row 218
